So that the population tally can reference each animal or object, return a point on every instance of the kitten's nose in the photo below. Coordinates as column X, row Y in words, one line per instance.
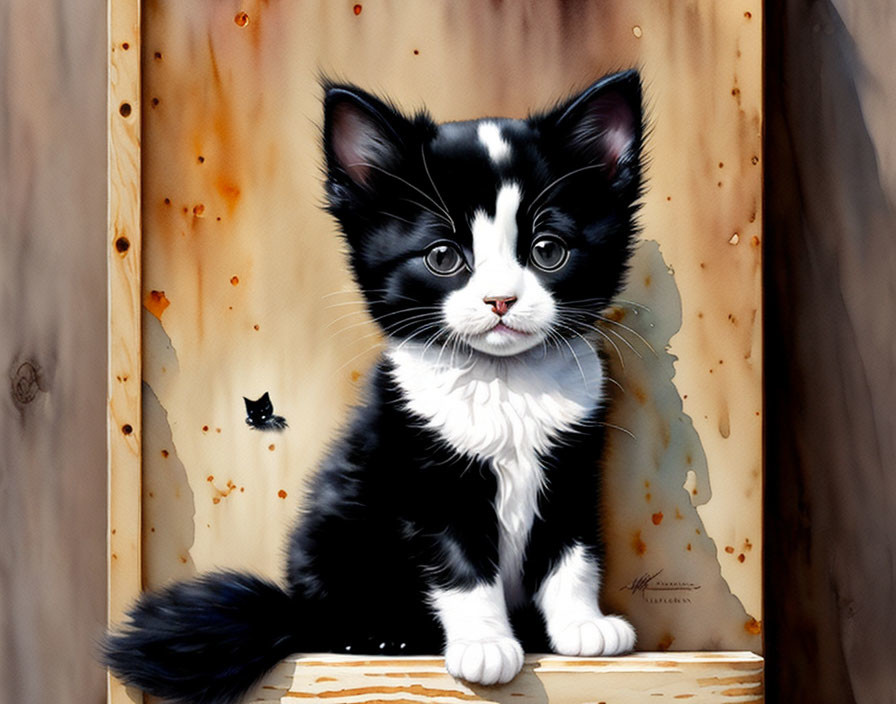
column 499, row 304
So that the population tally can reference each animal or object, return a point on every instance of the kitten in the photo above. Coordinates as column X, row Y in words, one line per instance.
column 458, row 511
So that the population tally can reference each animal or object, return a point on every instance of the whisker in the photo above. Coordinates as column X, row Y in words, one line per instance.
column 406, row 183
column 558, row 180
column 626, row 327
column 434, row 187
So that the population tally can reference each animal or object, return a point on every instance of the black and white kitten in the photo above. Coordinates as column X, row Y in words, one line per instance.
column 458, row 511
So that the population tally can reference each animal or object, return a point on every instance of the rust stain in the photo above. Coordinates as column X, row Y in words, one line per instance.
column 753, row 627
column 657, row 518
column 638, row 545
column 235, row 280
column 357, row 9
column 355, row 375
column 729, row 549
column 741, row 557
column 282, row 494
column 415, row 689
column 665, row 642
column 156, row 302
column 241, row 19
column 272, row 447
column 164, row 453
column 229, row 191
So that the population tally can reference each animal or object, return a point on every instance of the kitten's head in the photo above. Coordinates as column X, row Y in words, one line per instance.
column 494, row 234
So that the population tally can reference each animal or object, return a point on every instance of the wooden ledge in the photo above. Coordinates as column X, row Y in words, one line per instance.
column 704, row 677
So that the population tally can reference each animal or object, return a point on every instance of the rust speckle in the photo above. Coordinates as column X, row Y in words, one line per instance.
column 638, row 545
column 272, row 447
column 729, row 549
column 158, row 56
column 229, row 191
column 241, row 19
column 754, row 160
column 747, row 545
column 355, row 375
column 357, row 9
column 648, row 496
column 281, row 494
column 753, row 627
column 640, row 394
column 204, row 428
column 156, row 302
column 255, row 327
column 216, row 500
column 741, row 557
column 235, row 280
column 199, row 210
column 183, row 559
column 689, row 547
column 122, row 245
column 665, row 642
column 657, row 518
column 200, row 159
column 748, row 15
column 416, row 52
column 210, row 478
column 165, row 453
column 127, row 429
column 154, row 102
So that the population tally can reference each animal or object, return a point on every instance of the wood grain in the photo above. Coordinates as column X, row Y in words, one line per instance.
column 708, row 678
column 124, row 245
column 52, row 349
column 831, row 372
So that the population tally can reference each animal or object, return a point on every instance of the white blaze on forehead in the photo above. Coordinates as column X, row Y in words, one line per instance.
column 490, row 136
column 494, row 239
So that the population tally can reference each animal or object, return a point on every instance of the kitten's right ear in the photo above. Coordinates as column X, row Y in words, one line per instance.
column 362, row 134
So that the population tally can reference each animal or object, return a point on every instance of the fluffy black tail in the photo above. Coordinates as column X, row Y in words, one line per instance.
column 207, row 640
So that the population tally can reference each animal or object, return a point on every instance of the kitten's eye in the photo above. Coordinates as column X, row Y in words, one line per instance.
column 443, row 259
column 548, row 253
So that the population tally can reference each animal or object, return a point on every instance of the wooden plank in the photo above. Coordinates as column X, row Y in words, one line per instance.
column 52, row 349
column 124, row 380
column 729, row 677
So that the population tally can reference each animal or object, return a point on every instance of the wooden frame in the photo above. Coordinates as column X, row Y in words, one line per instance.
column 124, row 362
column 707, row 677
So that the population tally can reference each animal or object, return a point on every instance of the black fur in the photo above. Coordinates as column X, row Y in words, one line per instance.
column 392, row 502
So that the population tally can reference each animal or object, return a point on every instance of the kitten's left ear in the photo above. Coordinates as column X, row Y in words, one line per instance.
column 603, row 125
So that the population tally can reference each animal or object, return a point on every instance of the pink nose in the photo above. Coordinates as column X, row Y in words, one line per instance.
column 499, row 304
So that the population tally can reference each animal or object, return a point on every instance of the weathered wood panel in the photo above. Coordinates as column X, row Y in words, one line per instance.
column 52, row 349
column 246, row 291
column 831, row 351
column 708, row 678
column 124, row 111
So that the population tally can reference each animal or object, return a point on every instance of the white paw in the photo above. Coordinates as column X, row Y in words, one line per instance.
column 488, row 661
column 606, row 635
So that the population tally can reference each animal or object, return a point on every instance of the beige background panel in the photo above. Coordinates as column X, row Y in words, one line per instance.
column 245, row 288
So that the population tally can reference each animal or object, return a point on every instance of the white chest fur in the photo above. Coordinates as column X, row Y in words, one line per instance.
column 505, row 411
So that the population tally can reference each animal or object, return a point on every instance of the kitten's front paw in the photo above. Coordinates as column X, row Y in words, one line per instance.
column 606, row 635
column 488, row 661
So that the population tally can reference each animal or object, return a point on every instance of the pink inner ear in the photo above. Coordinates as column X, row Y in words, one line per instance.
column 610, row 127
column 355, row 141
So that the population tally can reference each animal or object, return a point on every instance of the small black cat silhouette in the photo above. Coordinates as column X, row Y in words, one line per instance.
column 260, row 414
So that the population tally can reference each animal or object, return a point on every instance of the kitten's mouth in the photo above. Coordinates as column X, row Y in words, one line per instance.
column 502, row 327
